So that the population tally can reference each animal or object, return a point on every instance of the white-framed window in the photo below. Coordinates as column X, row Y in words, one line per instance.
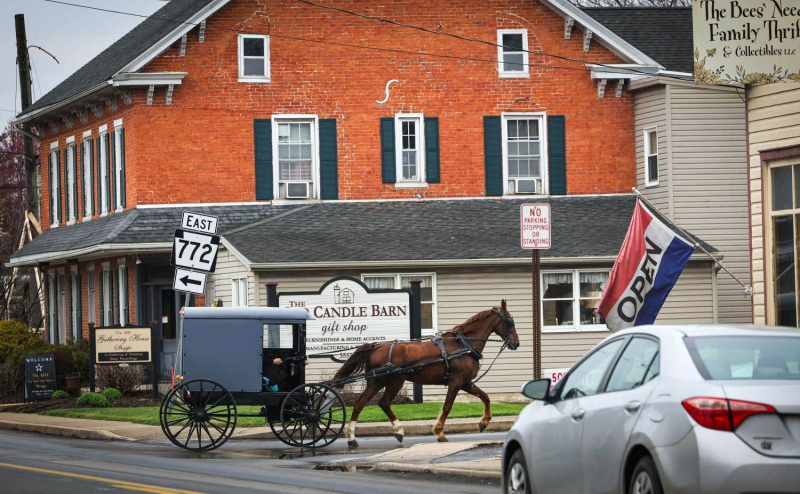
column 239, row 292
column 70, row 182
column 55, row 186
column 91, row 289
column 395, row 281
column 254, row 58
column 103, row 176
column 117, row 173
column 512, row 52
column 107, row 317
column 410, row 149
column 570, row 299
column 122, row 293
column 524, row 153
column 651, row 157
column 87, row 172
column 62, row 308
column 295, row 152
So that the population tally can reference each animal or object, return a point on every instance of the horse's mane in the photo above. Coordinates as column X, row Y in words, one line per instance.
column 480, row 316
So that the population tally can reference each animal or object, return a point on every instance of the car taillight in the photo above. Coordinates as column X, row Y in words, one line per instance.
column 721, row 414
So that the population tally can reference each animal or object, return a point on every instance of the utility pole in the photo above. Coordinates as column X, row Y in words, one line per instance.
column 32, row 192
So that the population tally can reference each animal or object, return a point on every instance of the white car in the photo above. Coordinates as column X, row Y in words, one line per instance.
column 675, row 409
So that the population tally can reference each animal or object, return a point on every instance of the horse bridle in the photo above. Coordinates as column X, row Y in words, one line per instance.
column 508, row 320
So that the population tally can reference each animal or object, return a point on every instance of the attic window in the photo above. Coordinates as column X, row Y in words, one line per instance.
column 512, row 52
column 253, row 58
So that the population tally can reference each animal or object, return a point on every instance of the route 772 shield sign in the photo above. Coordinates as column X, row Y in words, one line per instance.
column 195, row 250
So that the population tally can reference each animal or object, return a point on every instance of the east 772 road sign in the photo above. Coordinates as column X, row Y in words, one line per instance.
column 195, row 251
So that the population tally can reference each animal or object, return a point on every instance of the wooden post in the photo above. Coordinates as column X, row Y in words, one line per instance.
column 24, row 67
column 92, row 353
column 416, row 326
column 536, row 267
column 155, row 354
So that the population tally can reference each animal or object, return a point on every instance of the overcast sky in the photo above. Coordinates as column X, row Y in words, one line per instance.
column 74, row 35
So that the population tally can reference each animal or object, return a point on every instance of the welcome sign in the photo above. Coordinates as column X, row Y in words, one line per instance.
column 746, row 41
column 347, row 314
column 122, row 345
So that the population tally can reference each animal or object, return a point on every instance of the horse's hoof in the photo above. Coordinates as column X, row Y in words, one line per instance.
column 399, row 438
column 482, row 427
column 352, row 443
column 442, row 439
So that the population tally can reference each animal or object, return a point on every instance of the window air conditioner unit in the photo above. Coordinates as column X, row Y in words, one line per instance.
column 298, row 190
column 527, row 186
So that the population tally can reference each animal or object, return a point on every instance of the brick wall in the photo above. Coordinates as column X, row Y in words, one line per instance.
column 200, row 149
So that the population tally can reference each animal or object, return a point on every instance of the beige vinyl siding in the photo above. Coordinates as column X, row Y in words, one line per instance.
column 650, row 108
column 219, row 283
column 773, row 117
column 709, row 180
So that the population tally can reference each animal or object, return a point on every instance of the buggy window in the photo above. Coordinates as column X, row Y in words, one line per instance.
column 278, row 336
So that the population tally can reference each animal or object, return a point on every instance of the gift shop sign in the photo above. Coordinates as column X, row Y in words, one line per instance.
column 746, row 41
column 122, row 345
column 347, row 314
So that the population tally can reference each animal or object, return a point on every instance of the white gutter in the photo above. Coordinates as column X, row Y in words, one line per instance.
column 94, row 250
column 628, row 71
column 55, row 106
column 148, row 78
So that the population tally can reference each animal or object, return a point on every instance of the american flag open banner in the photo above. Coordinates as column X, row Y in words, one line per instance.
column 649, row 263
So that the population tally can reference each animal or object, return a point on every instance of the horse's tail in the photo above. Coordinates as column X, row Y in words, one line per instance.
column 356, row 363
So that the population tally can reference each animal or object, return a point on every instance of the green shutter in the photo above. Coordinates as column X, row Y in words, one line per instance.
column 493, row 155
column 50, row 187
column 123, row 193
column 432, row 150
column 262, row 130
column 388, row 165
column 557, row 154
column 329, row 161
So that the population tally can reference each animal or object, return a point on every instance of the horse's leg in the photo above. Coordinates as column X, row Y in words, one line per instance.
column 392, row 388
column 350, row 430
column 487, row 411
column 438, row 429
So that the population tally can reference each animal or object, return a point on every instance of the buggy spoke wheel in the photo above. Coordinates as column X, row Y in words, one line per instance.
column 190, row 423
column 312, row 416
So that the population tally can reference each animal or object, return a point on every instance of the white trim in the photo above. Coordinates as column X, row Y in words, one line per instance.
column 106, row 265
column 544, row 164
column 103, row 129
column 88, row 133
column 647, row 153
column 61, row 104
column 121, row 262
column 576, row 326
column 71, row 140
column 90, row 267
column 419, row 118
column 501, row 72
column 398, row 275
column 54, row 145
column 315, row 185
column 628, row 71
column 117, row 123
column 148, row 78
column 240, row 58
column 96, row 250
column 73, row 269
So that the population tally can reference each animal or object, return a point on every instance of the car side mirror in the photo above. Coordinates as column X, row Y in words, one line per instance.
column 537, row 389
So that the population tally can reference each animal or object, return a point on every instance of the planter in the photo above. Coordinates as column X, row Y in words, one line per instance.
column 73, row 383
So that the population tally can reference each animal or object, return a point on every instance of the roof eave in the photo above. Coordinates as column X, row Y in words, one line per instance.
column 94, row 250
column 25, row 118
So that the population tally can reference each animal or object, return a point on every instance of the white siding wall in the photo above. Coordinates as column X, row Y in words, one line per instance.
column 649, row 107
column 219, row 283
column 773, row 115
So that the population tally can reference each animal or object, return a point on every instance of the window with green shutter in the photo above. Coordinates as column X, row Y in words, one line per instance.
column 262, row 131
column 493, row 156
column 328, row 156
column 557, row 154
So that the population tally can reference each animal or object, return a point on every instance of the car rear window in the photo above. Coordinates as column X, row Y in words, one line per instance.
column 746, row 357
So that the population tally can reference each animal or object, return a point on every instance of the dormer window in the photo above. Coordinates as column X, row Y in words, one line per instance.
column 253, row 58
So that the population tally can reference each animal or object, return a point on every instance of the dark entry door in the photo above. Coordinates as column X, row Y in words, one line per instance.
column 167, row 317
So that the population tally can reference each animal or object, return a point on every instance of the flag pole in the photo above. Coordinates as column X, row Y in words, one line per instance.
column 748, row 289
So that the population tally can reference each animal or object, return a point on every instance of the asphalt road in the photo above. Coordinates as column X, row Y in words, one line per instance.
column 32, row 463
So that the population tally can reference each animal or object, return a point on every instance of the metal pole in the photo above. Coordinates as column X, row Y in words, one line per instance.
column 92, row 351
column 24, row 69
column 537, row 319
column 416, row 326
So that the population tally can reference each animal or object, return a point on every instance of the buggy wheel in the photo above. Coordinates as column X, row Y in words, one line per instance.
column 280, row 432
column 198, row 415
column 313, row 416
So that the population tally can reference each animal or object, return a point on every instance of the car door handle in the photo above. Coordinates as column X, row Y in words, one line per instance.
column 578, row 414
column 633, row 406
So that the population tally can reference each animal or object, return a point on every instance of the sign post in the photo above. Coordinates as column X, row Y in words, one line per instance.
column 535, row 235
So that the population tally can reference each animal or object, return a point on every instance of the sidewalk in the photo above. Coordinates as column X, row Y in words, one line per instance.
column 471, row 459
column 126, row 431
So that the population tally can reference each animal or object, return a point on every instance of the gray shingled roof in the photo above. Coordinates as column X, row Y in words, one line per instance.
column 454, row 229
column 123, row 51
column 664, row 34
column 146, row 225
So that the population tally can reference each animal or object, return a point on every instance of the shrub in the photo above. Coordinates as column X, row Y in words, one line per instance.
column 60, row 394
column 10, row 382
column 74, row 357
column 93, row 399
column 16, row 341
column 124, row 379
column 111, row 394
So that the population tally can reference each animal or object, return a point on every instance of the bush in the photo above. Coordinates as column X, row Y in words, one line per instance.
column 111, row 394
column 10, row 382
column 60, row 394
column 94, row 400
column 124, row 379
column 16, row 341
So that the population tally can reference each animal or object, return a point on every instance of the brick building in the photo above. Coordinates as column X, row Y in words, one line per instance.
column 282, row 113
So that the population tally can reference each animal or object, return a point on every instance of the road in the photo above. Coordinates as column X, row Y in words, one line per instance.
column 32, row 463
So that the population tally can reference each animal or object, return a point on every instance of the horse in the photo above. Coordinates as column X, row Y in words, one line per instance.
column 458, row 374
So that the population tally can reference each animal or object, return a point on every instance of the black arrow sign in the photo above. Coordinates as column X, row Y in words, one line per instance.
column 187, row 281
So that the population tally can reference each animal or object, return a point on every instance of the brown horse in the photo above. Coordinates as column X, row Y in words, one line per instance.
column 474, row 332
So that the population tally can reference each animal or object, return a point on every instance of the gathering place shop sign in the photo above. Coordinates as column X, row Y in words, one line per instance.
column 121, row 345
column 40, row 376
column 746, row 41
column 347, row 315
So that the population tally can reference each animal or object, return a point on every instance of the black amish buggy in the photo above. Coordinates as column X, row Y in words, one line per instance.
column 227, row 358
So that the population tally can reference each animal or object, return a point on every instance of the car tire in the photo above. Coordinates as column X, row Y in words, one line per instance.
column 645, row 479
column 517, row 480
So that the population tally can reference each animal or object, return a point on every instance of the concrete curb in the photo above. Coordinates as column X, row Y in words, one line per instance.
column 55, row 430
column 435, row 470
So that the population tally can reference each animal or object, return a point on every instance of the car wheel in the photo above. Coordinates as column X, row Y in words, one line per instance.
column 644, row 479
column 517, row 479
